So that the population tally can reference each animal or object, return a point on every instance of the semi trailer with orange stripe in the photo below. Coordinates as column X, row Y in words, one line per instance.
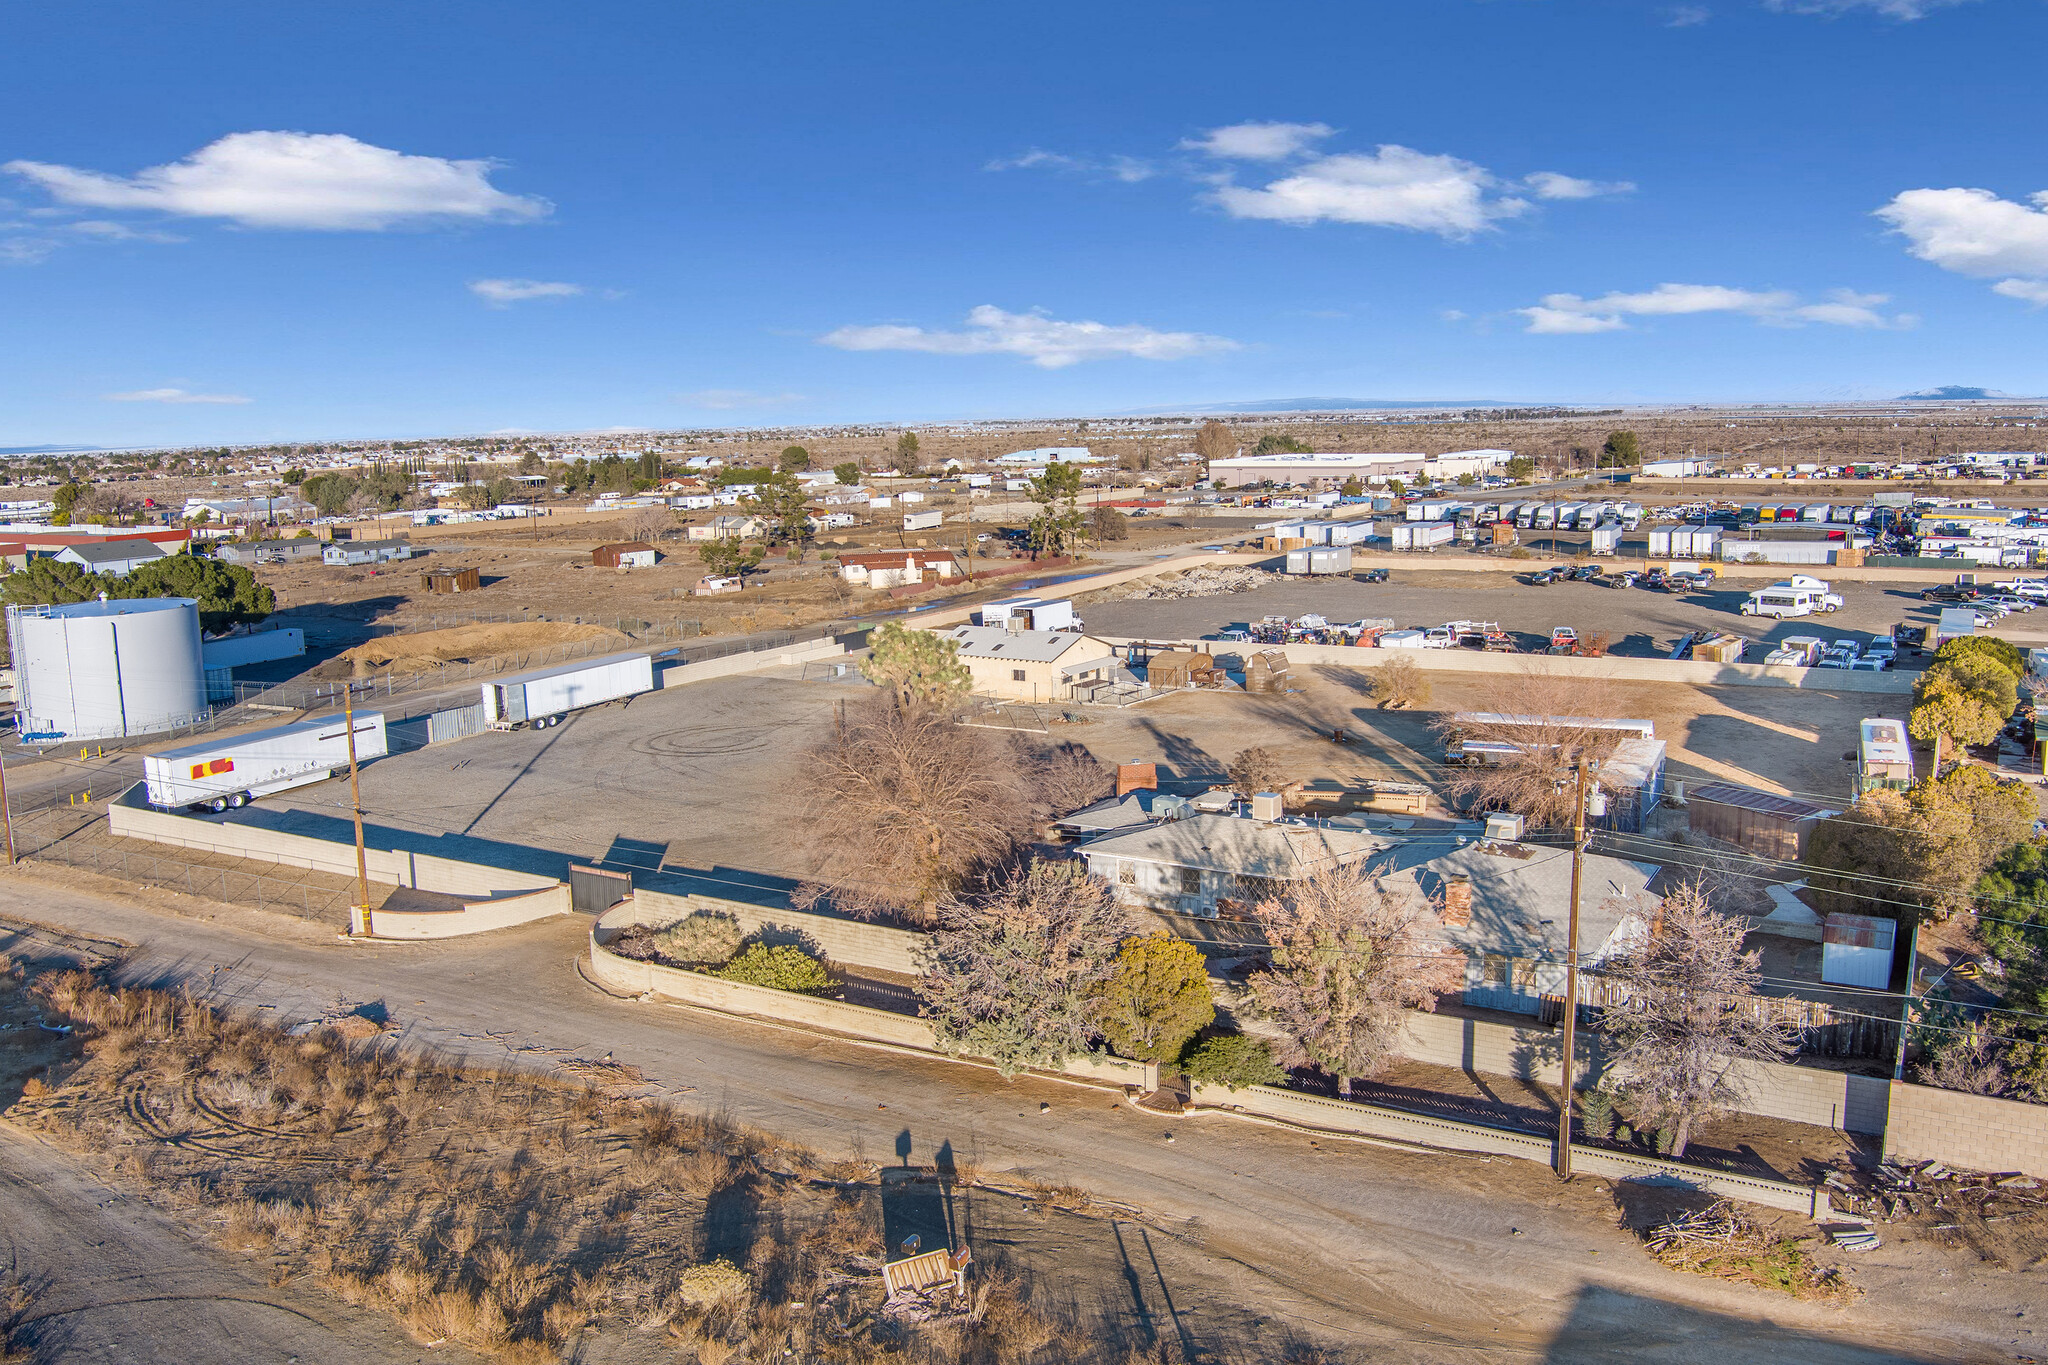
column 224, row 774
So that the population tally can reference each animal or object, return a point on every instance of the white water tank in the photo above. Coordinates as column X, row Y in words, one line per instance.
column 102, row 670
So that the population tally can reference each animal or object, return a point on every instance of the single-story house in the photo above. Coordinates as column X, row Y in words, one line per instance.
column 249, row 552
column 624, row 554
column 1507, row 908
column 729, row 528
column 1204, row 864
column 365, row 551
column 113, row 557
column 1121, row 814
column 1034, row 665
column 895, row 568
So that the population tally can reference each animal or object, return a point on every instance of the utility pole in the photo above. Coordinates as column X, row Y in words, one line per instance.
column 361, row 926
column 1571, row 980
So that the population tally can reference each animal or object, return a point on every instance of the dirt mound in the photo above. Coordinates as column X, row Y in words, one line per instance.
column 431, row 649
column 1205, row 582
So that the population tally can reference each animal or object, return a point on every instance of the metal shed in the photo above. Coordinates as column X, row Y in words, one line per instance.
column 451, row 580
column 631, row 554
column 1767, row 825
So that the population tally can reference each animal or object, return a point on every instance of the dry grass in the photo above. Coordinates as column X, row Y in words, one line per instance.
column 17, row 1302
column 496, row 1209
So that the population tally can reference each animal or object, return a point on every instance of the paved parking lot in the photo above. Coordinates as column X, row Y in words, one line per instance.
column 1638, row 622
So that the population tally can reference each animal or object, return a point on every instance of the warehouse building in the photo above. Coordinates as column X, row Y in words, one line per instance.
column 1313, row 471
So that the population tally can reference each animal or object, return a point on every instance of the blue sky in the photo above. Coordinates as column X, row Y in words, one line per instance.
column 241, row 221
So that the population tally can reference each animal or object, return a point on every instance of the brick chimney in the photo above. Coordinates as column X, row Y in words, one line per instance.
column 1131, row 777
column 1457, row 911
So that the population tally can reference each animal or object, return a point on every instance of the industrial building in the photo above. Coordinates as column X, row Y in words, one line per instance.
column 1313, row 471
column 108, row 669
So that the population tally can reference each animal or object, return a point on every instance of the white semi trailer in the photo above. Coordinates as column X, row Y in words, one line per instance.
column 228, row 773
column 545, row 697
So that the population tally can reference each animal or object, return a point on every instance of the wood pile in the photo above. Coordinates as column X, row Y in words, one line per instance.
column 1901, row 1190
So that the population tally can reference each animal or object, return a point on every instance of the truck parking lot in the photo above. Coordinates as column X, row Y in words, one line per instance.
column 1637, row 621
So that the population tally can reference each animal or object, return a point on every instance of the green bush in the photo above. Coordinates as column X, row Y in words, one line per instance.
column 780, row 966
column 1232, row 1061
column 707, row 936
column 1596, row 1112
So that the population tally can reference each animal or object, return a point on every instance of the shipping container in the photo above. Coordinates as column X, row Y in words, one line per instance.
column 1662, row 541
column 545, row 697
column 228, row 773
column 923, row 521
column 1606, row 537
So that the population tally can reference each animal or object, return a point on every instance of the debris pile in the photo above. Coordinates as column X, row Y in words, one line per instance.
column 1720, row 1241
column 1206, row 582
column 1898, row 1190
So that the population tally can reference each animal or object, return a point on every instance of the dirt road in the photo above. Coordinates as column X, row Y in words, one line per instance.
column 1413, row 1258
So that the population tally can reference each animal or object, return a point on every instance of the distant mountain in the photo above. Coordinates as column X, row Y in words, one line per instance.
column 48, row 450
column 1953, row 393
column 1320, row 405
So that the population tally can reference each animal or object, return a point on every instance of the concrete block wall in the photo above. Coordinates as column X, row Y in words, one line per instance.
column 857, row 1021
column 845, row 941
column 1688, row 671
column 1798, row 1094
column 1344, row 1116
column 1974, row 1132
column 477, row 917
column 129, row 817
column 681, row 675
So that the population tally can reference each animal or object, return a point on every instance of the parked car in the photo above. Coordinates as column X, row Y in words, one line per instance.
column 2007, row 602
column 1653, row 579
column 1625, row 579
column 1373, row 576
column 1586, row 573
column 1542, row 578
column 1948, row 592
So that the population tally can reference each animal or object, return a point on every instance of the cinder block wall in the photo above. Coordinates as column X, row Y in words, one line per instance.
column 848, row 942
column 1975, row 1132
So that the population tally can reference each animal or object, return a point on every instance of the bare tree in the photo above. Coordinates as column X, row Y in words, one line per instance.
column 648, row 523
column 1349, row 960
column 1545, row 724
column 1010, row 977
column 899, row 807
column 1969, row 1063
column 1256, row 770
column 1214, row 442
column 1067, row 777
column 1686, row 1017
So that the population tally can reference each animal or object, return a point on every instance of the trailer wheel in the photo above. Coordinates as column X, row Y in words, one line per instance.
column 217, row 805
column 238, row 800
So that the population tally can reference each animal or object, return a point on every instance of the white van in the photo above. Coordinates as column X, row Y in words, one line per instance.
column 1781, row 600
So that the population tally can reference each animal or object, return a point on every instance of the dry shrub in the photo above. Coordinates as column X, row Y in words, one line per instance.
column 1722, row 1242
column 1065, row 1198
column 713, row 1284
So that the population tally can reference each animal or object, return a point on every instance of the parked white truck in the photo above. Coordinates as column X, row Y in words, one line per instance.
column 228, row 773
column 1802, row 595
column 545, row 697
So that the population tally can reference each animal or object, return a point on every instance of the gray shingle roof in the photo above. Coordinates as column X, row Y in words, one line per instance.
column 1233, row 844
column 1030, row 646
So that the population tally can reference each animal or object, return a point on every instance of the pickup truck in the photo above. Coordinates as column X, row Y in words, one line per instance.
column 1948, row 593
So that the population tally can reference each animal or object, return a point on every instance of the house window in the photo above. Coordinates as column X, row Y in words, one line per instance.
column 1493, row 970
column 1016, row 675
column 1525, row 975
column 1127, row 876
column 1190, row 881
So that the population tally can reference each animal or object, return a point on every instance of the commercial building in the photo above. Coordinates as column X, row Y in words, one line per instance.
column 1032, row 665
column 1043, row 455
column 1313, row 471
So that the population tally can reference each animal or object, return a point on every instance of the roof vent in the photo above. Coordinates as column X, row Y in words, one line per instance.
column 1014, row 624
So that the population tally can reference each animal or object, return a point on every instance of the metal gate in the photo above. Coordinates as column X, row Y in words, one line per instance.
column 459, row 723
column 594, row 890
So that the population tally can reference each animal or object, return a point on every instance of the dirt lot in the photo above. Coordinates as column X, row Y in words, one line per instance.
column 1782, row 740
column 1637, row 622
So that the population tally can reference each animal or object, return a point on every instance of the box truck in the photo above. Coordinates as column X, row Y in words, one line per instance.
column 546, row 696
column 229, row 773
column 923, row 521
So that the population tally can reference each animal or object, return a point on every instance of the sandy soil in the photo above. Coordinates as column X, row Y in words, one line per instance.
column 424, row 650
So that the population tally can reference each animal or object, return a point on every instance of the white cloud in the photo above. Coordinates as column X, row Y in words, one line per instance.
column 1976, row 233
column 723, row 399
column 1687, row 16
column 1391, row 187
column 504, row 293
column 1566, row 314
column 1044, row 341
column 1129, row 169
column 2030, row 291
column 1890, row 9
column 1258, row 141
column 1551, row 185
column 323, row 181
column 25, row 250
column 174, row 396
column 102, row 230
